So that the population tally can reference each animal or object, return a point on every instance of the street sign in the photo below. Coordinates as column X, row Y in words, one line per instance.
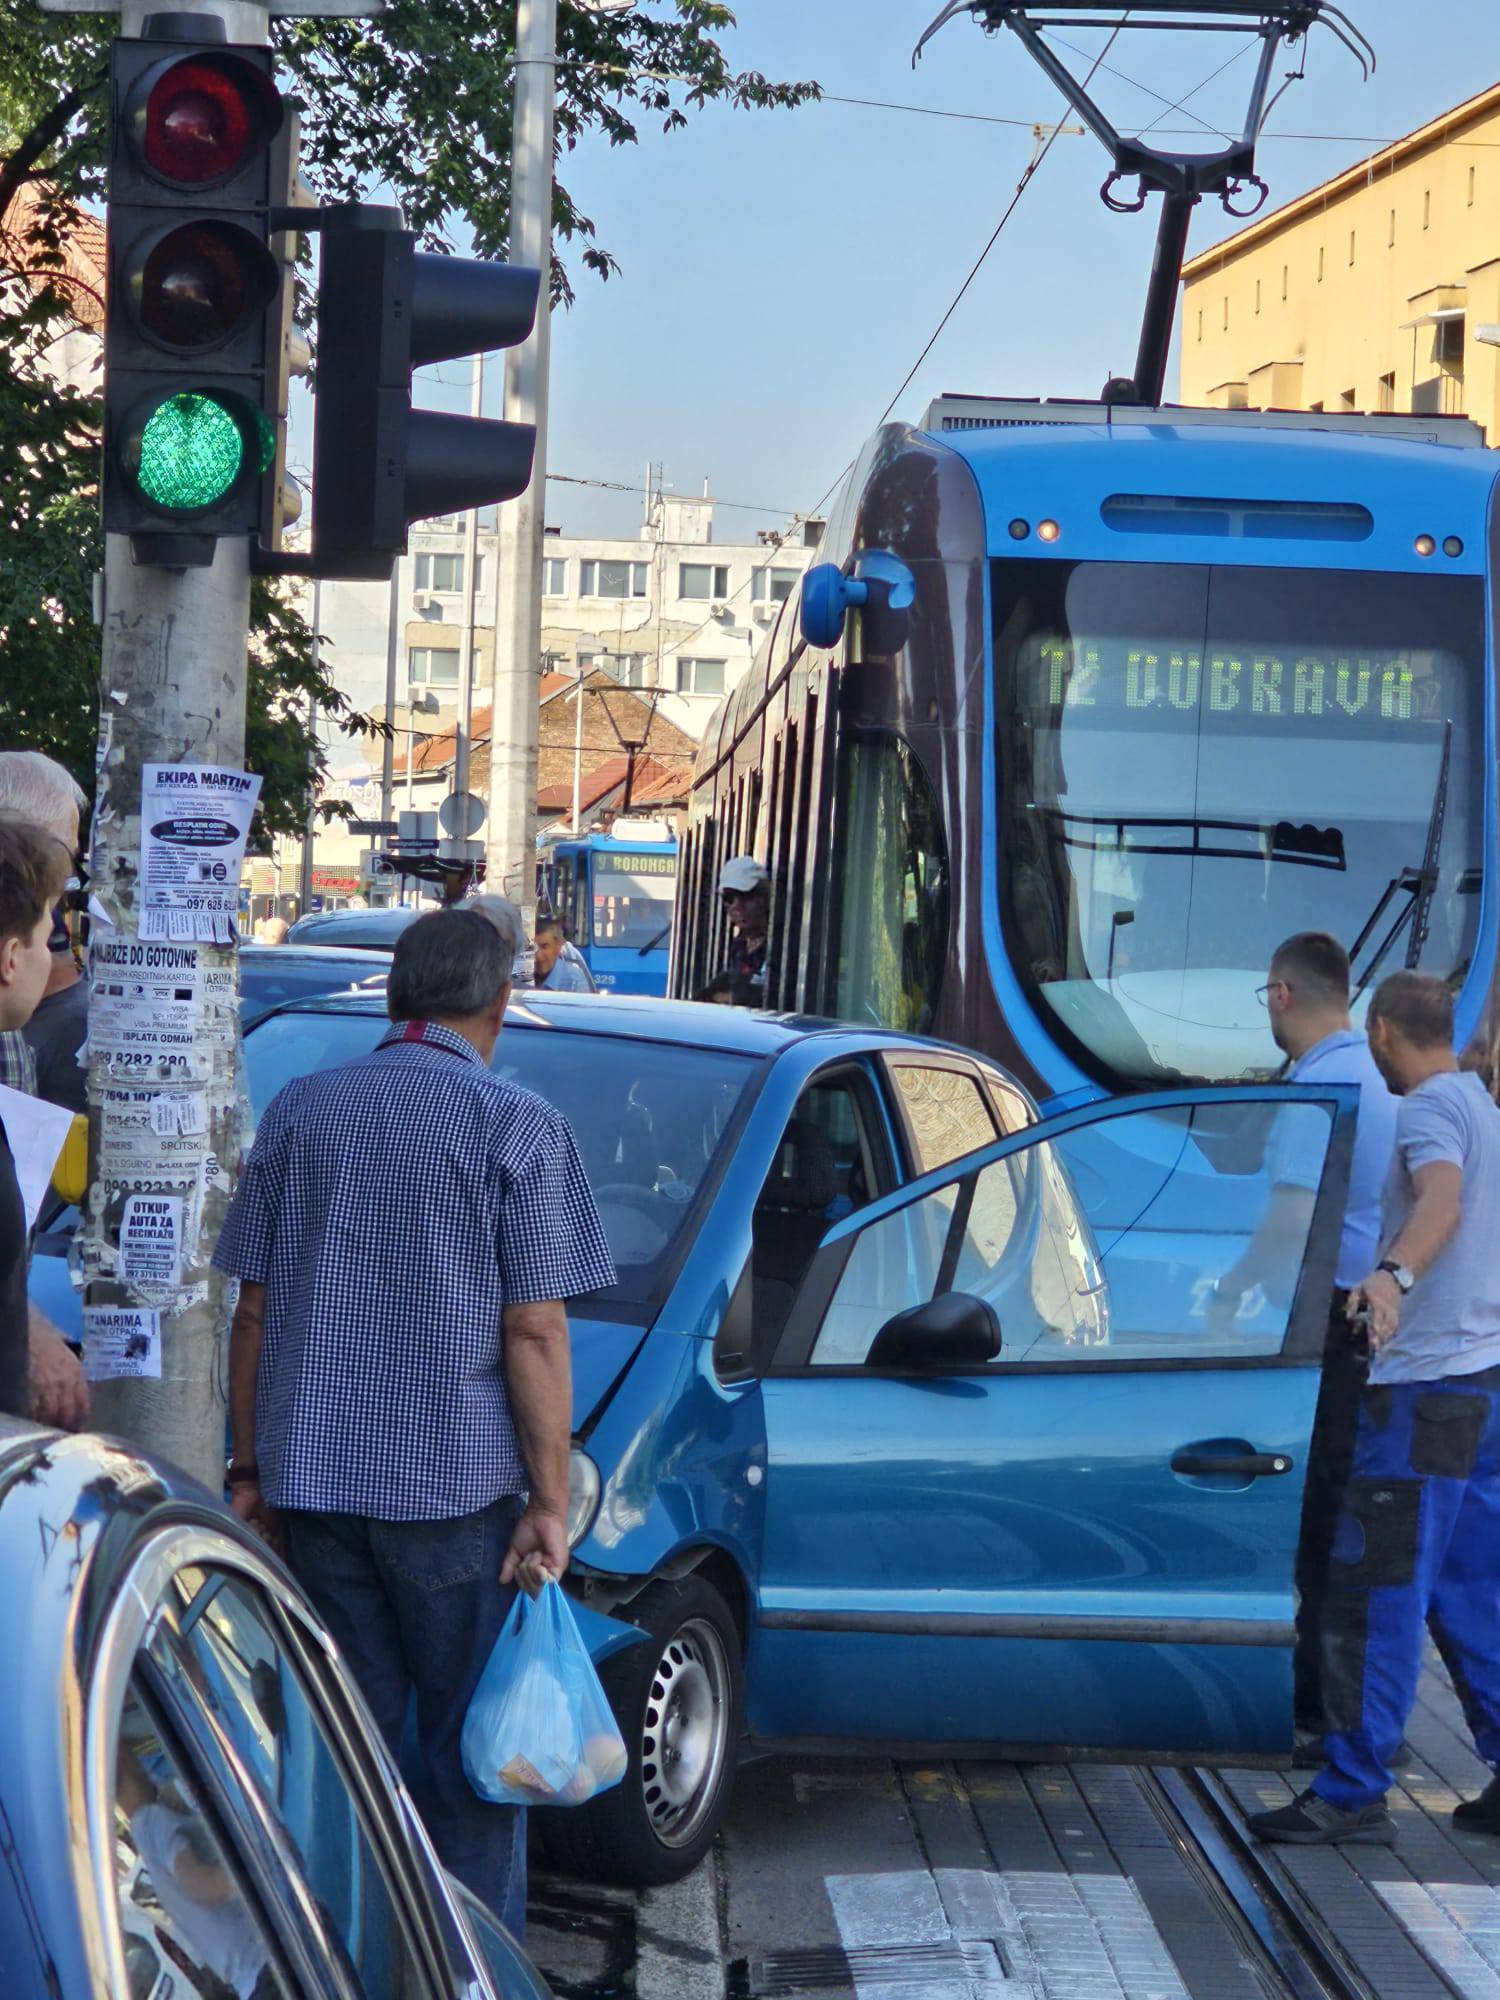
column 417, row 830
column 462, row 850
column 461, row 814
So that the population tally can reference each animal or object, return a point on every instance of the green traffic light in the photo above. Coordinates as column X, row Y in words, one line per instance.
column 192, row 452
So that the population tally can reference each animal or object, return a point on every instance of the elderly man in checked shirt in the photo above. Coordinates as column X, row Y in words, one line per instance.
column 405, row 1233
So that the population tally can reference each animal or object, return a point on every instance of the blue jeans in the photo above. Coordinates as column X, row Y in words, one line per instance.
column 415, row 1608
column 1417, row 1542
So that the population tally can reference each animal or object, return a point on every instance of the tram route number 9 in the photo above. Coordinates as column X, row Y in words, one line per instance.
column 1385, row 687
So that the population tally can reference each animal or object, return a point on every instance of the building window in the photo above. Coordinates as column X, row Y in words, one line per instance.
column 1257, row 295
column 612, row 579
column 1226, row 312
column 1471, row 187
column 628, row 668
column 1351, row 246
column 1283, row 280
column 435, row 572
column 433, row 666
column 1316, row 409
column 1386, row 396
column 554, row 576
column 702, row 580
column 1348, row 401
column 1200, row 322
column 1320, row 263
column 700, row 676
column 1427, row 208
column 1390, row 234
column 774, row 586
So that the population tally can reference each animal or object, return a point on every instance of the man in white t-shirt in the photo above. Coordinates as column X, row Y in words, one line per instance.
column 1418, row 1536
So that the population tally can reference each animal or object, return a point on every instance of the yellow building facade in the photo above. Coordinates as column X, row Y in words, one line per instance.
column 1379, row 290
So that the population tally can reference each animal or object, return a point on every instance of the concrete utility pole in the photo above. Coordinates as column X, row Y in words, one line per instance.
column 510, row 848
column 174, row 680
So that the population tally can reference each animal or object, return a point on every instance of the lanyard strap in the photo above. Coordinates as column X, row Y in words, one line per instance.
column 421, row 1031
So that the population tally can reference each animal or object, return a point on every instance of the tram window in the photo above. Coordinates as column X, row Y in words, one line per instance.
column 1196, row 762
column 893, row 932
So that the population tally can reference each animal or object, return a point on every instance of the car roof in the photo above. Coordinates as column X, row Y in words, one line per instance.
column 358, row 959
column 384, row 926
column 731, row 1030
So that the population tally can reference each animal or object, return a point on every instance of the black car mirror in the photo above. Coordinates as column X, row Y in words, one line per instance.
column 954, row 1331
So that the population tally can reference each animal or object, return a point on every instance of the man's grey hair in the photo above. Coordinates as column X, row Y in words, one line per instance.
column 549, row 924
column 451, row 964
column 35, row 788
column 506, row 917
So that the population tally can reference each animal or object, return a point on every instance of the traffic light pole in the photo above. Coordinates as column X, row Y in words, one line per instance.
column 510, row 853
column 173, row 685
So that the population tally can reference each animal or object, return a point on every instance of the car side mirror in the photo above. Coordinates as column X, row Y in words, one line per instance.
column 954, row 1331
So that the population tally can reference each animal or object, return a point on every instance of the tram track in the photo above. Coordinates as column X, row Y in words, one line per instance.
column 1293, row 1950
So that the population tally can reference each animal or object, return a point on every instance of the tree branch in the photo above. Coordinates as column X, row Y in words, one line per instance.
column 46, row 131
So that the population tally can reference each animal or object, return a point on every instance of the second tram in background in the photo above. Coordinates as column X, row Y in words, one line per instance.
column 614, row 894
column 1087, row 709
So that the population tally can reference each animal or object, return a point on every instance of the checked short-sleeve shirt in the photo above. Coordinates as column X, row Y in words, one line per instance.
column 392, row 1209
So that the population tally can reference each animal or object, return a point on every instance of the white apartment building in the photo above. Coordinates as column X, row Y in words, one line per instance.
column 677, row 608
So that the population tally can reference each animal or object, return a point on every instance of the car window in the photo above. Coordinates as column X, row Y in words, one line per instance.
column 243, row 1698
column 188, row 1923
column 947, row 1113
column 648, row 1117
column 828, row 1165
column 1108, row 1241
column 1012, row 1107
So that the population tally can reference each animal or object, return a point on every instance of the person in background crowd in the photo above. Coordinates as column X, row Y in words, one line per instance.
column 33, row 869
column 550, row 968
column 1418, row 1535
column 40, row 794
column 1307, row 998
column 272, row 930
column 406, row 1232
column 745, row 890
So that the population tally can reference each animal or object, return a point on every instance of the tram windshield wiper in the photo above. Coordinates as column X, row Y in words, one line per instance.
column 1275, row 840
column 1418, row 885
column 661, row 937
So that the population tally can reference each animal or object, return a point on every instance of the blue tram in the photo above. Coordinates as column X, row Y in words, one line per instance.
column 615, row 896
column 1088, row 707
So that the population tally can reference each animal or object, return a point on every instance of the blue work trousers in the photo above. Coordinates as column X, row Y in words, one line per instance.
column 415, row 1607
column 1417, row 1543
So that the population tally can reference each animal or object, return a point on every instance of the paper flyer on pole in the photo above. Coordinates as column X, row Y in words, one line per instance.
column 154, row 1006
column 195, row 820
column 120, row 1341
column 151, row 1243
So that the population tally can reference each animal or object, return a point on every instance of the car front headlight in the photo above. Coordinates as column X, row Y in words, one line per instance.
column 583, row 1495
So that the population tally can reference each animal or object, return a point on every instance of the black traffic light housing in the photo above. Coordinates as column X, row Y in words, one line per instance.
column 196, row 289
column 385, row 308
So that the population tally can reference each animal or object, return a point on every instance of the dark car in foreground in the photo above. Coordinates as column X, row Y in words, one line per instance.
column 193, row 1799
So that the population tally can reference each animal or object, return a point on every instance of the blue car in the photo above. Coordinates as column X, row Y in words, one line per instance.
column 914, row 1423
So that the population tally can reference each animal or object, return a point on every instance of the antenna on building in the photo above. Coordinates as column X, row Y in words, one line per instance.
column 1180, row 178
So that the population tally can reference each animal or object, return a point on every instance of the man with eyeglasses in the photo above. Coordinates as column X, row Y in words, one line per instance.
column 1306, row 995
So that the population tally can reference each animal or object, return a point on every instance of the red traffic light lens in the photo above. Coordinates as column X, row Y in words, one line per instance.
column 202, row 118
column 200, row 283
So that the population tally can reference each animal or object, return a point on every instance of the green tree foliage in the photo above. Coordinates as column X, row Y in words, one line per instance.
column 415, row 102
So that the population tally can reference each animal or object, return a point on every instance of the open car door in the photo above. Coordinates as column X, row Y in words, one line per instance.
column 1085, row 1540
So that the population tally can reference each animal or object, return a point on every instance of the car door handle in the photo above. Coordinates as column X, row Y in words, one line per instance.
column 1233, row 1465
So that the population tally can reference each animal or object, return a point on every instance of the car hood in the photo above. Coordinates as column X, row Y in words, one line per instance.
column 602, row 1350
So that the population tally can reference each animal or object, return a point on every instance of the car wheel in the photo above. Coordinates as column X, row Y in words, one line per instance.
column 677, row 1699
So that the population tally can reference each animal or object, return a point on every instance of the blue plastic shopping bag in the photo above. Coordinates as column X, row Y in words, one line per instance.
column 540, row 1730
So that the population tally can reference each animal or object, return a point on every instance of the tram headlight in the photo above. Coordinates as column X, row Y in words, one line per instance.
column 1425, row 545
column 1048, row 531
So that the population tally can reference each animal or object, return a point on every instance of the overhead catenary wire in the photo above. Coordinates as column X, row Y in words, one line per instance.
column 1011, row 206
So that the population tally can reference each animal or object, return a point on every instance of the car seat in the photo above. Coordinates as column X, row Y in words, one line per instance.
column 791, row 1217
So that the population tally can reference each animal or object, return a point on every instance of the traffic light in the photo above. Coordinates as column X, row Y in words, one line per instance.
column 385, row 308
column 196, row 296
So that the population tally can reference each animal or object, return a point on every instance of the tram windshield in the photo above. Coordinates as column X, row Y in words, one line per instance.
column 633, row 896
column 1196, row 762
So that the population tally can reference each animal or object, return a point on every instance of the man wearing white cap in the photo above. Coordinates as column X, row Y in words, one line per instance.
column 745, row 891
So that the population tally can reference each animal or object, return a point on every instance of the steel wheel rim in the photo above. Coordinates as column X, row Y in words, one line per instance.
column 685, row 1733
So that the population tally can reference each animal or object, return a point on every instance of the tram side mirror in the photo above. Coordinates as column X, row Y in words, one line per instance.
column 954, row 1331
column 882, row 585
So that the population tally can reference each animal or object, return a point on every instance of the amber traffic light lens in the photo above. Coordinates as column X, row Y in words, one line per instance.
column 200, row 123
column 199, row 284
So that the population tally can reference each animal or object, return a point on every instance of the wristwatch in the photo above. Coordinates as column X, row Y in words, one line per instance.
column 241, row 1472
column 1404, row 1278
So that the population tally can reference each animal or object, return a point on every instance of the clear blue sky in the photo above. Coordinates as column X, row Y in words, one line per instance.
column 781, row 271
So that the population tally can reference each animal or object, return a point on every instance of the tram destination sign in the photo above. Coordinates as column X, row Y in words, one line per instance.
column 1122, row 677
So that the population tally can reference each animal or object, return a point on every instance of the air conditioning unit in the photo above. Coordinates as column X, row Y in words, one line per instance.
column 719, row 608
column 767, row 610
column 424, row 600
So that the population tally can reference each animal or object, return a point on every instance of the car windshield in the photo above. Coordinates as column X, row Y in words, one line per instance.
column 266, row 979
column 633, row 899
column 1195, row 762
column 648, row 1116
